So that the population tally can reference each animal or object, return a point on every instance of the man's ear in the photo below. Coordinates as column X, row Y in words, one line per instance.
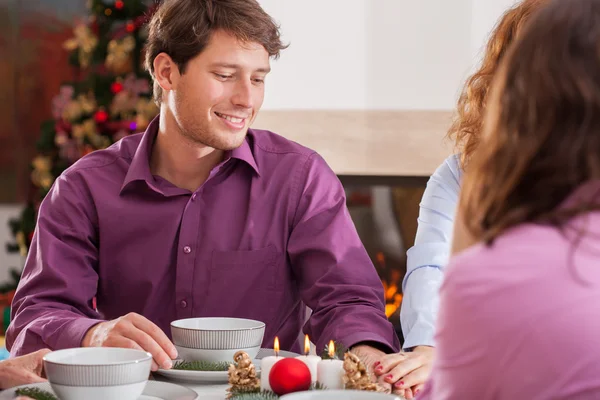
column 166, row 72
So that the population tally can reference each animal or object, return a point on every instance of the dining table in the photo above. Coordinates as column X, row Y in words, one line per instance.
column 214, row 391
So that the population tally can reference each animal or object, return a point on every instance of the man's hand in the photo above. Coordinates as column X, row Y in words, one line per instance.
column 406, row 371
column 133, row 331
column 370, row 356
column 23, row 370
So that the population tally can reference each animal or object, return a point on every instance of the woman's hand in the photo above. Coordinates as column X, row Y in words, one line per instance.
column 407, row 372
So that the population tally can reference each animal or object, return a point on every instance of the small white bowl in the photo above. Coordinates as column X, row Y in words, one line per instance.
column 98, row 373
column 188, row 354
column 338, row 394
column 218, row 333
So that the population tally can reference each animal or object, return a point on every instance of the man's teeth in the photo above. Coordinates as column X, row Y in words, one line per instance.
column 232, row 119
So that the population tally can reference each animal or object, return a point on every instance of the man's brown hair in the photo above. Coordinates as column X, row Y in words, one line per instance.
column 183, row 28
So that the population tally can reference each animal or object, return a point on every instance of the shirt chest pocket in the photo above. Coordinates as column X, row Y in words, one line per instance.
column 245, row 271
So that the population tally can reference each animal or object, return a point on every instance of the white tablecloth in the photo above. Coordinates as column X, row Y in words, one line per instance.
column 205, row 391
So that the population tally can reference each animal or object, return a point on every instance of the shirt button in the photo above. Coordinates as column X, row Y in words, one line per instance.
column 194, row 197
column 187, row 249
column 183, row 303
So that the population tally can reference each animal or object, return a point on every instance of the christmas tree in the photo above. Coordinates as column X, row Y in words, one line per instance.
column 109, row 98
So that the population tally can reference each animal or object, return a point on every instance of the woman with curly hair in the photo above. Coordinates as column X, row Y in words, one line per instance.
column 519, row 308
column 428, row 257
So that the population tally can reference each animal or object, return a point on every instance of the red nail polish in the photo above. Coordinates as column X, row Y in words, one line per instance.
column 376, row 363
column 380, row 368
column 389, row 376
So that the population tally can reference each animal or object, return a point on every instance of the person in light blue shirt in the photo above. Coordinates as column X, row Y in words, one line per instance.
column 429, row 255
column 427, row 258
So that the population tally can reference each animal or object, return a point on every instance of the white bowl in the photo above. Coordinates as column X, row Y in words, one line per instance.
column 97, row 373
column 338, row 394
column 189, row 354
column 218, row 333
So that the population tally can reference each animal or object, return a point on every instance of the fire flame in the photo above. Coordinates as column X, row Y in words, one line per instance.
column 331, row 349
column 306, row 345
column 276, row 346
column 393, row 298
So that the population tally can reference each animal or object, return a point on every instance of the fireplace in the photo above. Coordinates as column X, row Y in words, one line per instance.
column 385, row 211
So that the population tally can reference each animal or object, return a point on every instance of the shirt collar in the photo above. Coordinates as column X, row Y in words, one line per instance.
column 139, row 169
column 244, row 153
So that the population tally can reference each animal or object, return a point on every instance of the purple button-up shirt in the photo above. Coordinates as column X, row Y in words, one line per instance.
column 266, row 233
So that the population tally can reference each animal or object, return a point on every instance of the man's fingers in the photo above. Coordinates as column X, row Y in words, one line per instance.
column 148, row 344
column 155, row 333
column 33, row 378
column 126, row 343
column 384, row 384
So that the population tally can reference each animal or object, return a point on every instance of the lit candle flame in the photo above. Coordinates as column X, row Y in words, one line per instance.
column 276, row 346
column 306, row 345
column 331, row 349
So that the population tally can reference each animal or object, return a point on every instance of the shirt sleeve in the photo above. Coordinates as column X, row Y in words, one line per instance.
column 52, row 307
column 427, row 258
column 335, row 275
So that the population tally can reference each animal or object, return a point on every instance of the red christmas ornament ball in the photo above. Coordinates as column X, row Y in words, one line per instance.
column 289, row 375
column 101, row 116
column 130, row 27
column 116, row 87
column 119, row 4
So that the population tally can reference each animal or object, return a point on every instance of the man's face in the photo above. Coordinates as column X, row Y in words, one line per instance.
column 221, row 91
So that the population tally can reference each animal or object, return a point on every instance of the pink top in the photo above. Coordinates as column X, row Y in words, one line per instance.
column 521, row 319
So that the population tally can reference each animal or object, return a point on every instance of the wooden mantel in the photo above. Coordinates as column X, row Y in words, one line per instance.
column 367, row 143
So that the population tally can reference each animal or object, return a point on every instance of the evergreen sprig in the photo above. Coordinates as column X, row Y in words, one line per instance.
column 201, row 366
column 35, row 394
column 340, row 350
column 253, row 394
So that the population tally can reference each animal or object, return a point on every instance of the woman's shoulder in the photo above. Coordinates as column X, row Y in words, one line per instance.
column 524, row 257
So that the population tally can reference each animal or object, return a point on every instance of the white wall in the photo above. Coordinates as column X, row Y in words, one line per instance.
column 485, row 14
column 376, row 54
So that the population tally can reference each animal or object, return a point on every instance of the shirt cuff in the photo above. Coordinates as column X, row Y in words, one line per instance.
column 360, row 337
column 72, row 333
column 419, row 336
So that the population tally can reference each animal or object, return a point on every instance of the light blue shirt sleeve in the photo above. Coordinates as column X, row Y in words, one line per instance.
column 428, row 257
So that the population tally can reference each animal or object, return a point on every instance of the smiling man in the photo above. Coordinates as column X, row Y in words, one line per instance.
column 200, row 216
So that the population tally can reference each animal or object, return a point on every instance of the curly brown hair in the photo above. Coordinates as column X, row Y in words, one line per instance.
column 467, row 124
column 541, row 141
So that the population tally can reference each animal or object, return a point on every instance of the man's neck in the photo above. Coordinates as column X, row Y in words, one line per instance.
column 179, row 160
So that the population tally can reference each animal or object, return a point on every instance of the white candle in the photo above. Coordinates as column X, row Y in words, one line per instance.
column 266, row 364
column 330, row 373
column 310, row 361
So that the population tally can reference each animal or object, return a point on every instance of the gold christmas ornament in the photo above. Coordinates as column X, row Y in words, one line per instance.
column 87, row 129
column 82, row 104
column 20, row 239
column 146, row 109
column 85, row 41
column 123, row 105
column 356, row 376
column 42, row 163
column 119, row 59
column 242, row 375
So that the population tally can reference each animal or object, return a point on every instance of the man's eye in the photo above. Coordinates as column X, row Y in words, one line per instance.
column 259, row 80
column 221, row 76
